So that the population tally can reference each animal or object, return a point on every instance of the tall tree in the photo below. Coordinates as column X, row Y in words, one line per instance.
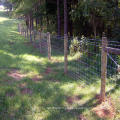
column 58, row 19
column 65, row 36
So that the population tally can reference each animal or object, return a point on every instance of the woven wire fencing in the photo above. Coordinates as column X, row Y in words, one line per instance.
column 36, row 38
column 113, row 66
column 57, row 45
column 84, row 55
column 85, row 60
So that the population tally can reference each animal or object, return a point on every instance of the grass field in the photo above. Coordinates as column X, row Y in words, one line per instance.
column 33, row 88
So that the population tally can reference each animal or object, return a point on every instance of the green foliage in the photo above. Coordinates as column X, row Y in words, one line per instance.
column 78, row 45
column 75, row 46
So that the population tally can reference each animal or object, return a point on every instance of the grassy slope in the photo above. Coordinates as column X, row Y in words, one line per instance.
column 51, row 91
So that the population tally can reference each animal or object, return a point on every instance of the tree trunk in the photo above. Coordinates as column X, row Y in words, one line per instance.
column 65, row 36
column 58, row 19
column 70, row 22
column 30, row 27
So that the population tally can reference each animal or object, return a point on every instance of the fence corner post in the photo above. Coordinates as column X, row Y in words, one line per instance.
column 65, row 53
column 103, row 67
column 49, row 45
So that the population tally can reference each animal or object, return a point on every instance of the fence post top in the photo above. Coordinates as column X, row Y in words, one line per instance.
column 48, row 33
column 103, row 34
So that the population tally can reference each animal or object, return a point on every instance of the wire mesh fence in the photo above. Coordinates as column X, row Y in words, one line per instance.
column 84, row 55
column 84, row 65
column 84, row 61
column 36, row 38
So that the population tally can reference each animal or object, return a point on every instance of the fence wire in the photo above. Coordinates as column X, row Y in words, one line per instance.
column 84, row 57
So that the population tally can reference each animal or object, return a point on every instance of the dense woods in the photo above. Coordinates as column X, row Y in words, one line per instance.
column 83, row 17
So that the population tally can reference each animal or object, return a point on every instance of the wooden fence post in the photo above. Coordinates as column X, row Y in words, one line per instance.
column 103, row 67
column 25, row 32
column 31, row 35
column 65, row 53
column 49, row 45
column 34, row 37
column 19, row 28
column 40, row 41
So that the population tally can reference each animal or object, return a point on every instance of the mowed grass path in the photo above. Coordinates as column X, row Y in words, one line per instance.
column 33, row 88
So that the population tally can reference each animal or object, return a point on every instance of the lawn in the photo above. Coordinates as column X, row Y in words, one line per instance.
column 33, row 88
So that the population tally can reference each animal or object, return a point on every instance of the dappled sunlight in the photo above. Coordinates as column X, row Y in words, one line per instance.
column 75, row 57
column 2, row 19
column 32, row 58
column 7, row 53
column 14, row 32
column 31, row 84
column 57, row 59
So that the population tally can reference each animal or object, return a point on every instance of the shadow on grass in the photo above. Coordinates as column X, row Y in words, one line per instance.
column 47, row 92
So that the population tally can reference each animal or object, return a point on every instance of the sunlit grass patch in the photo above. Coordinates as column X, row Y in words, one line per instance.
column 3, row 19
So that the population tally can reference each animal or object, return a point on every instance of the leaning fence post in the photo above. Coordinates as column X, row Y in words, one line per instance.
column 103, row 67
column 65, row 53
column 49, row 45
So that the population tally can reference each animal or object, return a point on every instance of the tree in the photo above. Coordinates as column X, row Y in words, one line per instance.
column 58, row 19
column 65, row 35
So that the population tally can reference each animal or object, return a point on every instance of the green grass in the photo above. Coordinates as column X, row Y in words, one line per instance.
column 51, row 91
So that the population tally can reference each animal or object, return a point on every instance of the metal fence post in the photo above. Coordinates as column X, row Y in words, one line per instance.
column 65, row 53
column 49, row 45
column 103, row 67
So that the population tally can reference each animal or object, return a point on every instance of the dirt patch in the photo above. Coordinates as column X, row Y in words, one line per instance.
column 16, row 75
column 26, row 91
column 81, row 117
column 71, row 100
column 49, row 71
column 105, row 109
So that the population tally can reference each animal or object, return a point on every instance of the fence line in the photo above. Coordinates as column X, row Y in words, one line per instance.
column 83, row 58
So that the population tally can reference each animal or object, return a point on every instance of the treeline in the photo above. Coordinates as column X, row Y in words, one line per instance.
column 73, row 17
